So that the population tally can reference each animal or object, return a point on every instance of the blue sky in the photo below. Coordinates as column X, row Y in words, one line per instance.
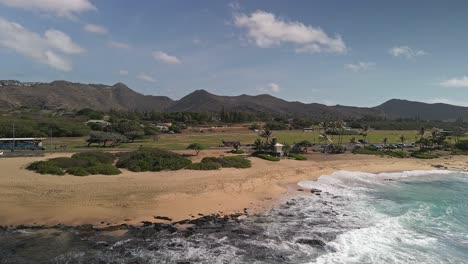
column 334, row 52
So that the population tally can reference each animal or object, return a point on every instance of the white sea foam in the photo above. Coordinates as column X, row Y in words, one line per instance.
column 382, row 238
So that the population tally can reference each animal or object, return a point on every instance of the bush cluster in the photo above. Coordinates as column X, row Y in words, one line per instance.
column 204, row 166
column 369, row 150
column 424, row 155
column 463, row 145
column 230, row 162
column 80, row 164
column 267, row 157
column 238, row 151
column 297, row 156
column 152, row 160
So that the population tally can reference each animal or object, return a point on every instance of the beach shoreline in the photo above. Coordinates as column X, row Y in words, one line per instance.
column 27, row 198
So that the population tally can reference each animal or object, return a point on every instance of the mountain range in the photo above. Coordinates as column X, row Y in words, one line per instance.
column 73, row 96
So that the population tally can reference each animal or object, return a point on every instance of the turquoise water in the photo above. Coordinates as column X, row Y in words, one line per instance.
column 407, row 217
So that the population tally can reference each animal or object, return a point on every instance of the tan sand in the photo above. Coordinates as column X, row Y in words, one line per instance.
column 30, row 198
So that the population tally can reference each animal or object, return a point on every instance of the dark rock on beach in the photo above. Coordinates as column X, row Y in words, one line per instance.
column 311, row 242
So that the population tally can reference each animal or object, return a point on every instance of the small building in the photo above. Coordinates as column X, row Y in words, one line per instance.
column 278, row 149
column 21, row 143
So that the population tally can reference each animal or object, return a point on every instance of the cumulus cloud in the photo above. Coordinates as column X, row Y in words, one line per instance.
column 97, row 29
column 118, row 45
column 145, row 77
column 47, row 49
column 455, row 82
column 61, row 41
column 407, row 52
column 359, row 67
column 270, row 88
column 62, row 8
column 166, row 58
column 123, row 72
column 266, row 30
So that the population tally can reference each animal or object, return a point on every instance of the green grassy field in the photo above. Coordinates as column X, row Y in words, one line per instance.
column 181, row 141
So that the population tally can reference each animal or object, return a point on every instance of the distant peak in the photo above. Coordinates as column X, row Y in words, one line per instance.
column 120, row 85
column 201, row 91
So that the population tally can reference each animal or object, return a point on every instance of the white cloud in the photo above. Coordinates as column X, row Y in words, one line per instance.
column 62, row 8
column 164, row 57
column 455, row 82
column 97, row 29
column 270, row 88
column 45, row 49
column 267, row 30
column 145, row 77
column 359, row 67
column 234, row 5
column 123, row 72
column 118, row 45
column 61, row 41
column 407, row 52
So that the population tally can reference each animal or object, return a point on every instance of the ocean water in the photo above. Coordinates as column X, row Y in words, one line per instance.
column 401, row 217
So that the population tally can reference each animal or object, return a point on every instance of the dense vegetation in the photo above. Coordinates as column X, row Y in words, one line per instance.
column 267, row 157
column 80, row 164
column 204, row 166
column 373, row 151
column 229, row 162
column 151, row 160
column 297, row 156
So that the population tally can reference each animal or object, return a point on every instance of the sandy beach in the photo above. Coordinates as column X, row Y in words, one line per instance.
column 30, row 198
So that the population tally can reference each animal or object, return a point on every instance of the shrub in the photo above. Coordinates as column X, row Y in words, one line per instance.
column 104, row 169
column 65, row 163
column 424, row 155
column 80, row 164
column 462, row 145
column 45, row 167
column 459, row 152
column 237, row 151
column 204, row 166
column 230, row 162
column 367, row 150
column 372, row 151
column 152, row 160
column 95, row 157
column 397, row 154
column 267, row 157
column 297, row 156
column 77, row 171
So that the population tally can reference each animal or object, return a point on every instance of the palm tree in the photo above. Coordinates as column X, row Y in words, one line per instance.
column 353, row 140
column 340, row 126
column 402, row 140
column 422, row 132
column 437, row 137
column 365, row 130
column 326, row 138
column 324, row 125
column 385, row 141
column 267, row 134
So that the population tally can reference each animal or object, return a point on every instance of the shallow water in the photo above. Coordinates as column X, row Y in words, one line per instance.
column 407, row 217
